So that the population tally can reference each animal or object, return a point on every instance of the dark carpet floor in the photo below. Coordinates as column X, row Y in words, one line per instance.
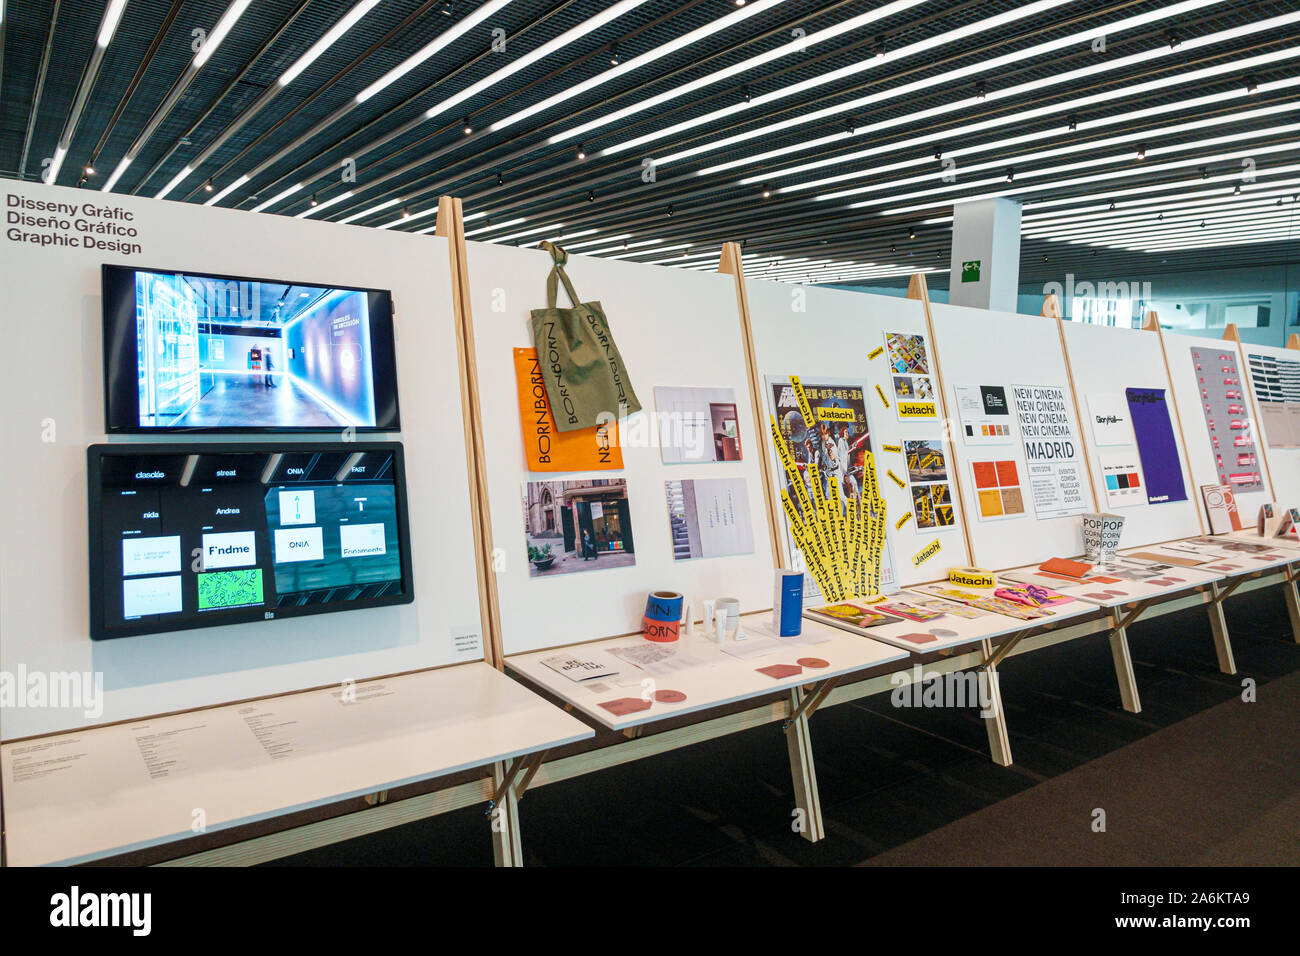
column 1199, row 777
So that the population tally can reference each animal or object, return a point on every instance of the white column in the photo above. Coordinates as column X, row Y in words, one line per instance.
column 985, row 243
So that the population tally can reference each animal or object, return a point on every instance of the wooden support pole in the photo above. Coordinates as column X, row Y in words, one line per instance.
column 803, row 771
column 451, row 226
column 1052, row 306
column 1119, row 653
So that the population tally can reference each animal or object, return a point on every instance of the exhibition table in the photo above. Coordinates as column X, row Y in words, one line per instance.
column 85, row 795
column 698, row 674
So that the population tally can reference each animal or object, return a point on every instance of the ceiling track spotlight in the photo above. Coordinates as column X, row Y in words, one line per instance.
column 670, row 211
column 744, row 91
column 767, row 192
column 582, row 152
column 613, row 54
column 89, row 170
column 1142, row 151
column 1251, row 85
column 1173, row 39
column 1112, row 206
column 465, row 126
column 1011, row 174
column 911, row 233
column 938, row 154
column 981, row 88
column 591, row 195
column 880, row 45
column 501, row 180
column 207, row 186
column 1073, row 122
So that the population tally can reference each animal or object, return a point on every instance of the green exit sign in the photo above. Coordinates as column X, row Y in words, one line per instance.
column 970, row 271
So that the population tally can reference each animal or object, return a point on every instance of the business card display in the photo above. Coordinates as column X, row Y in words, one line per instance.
column 185, row 536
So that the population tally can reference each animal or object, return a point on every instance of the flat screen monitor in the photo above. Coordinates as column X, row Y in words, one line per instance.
column 185, row 536
column 191, row 352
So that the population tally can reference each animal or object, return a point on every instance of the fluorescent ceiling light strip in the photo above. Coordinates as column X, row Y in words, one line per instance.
column 1172, row 213
column 225, row 192
column 219, row 32
column 323, row 205
column 1280, row 234
column 952, row 36
column 426, row 230
column 646, row 252
column 536, row 231
column 1241, row 241
column 1111, row 194
column 459, row 29
column 636, row 63
column 787, row 49
column 386, row 204
column 944, row 109
column 1027, row 158
column 577, row 235
column 1132, row 168
column 108, row 26
column 334, row 34
column 117, row 174
column 278, row 197
column 1208, row 196
column 641, row 243
column 51, row 174
column 506, row 224
column 571, row 246
column 176, row 181
column 1186, row 229
column 588, row 25
column 413, row 216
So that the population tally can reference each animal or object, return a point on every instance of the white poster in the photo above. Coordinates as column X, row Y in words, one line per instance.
column 1109, row 415
column 985, row 414
column 1053, row 463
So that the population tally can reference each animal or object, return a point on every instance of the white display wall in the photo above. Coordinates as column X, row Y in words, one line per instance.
column 976, row 347
column 53, row 400
column 674, row 328
column 1104, row 362
column 818, row 333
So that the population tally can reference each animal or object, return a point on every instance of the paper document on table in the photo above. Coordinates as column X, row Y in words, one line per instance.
column 657, row 659
column 755, row 645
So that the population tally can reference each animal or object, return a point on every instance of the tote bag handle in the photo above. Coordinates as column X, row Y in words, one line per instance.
column 560, row 258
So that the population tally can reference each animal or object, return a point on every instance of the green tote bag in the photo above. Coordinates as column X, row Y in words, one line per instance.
column 586, row 380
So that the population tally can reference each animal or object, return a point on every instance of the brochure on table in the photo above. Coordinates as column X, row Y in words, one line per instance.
column 615, row 535
column 55, row 408
column 1023, row 492
column 838, row 336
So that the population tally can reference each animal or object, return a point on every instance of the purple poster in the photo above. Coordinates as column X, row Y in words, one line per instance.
column 1149, row 409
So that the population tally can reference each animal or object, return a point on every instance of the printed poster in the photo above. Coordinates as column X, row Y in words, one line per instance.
column 1227, row 419
column 911, row 377
column 1122, row 474
column 1109, row 417
column 1277, row 390
column 931, row 492
column 709, row 518
column 997, row 489
column 1157, row 447
column 839, row 446
column 984, row 414
column 1053, row 464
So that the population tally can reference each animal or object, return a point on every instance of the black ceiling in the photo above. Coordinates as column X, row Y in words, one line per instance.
column 303, row 133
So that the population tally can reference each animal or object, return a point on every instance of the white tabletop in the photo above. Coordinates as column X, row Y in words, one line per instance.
column 89, row 794
column 953, row 630
column 1109, row 594
column 701, row 674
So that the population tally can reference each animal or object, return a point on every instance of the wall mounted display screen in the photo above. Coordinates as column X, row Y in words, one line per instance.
column 186, row 536
column 185, row 351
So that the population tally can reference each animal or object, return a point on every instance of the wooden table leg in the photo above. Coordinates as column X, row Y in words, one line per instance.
column 995, row 717
column 802, row 770
column 1119, row 652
